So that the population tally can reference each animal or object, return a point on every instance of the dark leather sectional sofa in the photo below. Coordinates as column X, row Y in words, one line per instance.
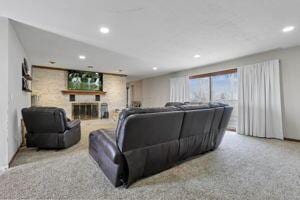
column 49, row 128
column 150, row 140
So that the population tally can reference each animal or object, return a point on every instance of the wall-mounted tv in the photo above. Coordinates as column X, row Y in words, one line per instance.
column 83, row 80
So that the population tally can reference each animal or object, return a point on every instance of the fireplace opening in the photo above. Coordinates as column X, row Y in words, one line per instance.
column 85, row 111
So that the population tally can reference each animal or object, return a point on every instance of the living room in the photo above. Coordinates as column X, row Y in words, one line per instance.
column 153, row 100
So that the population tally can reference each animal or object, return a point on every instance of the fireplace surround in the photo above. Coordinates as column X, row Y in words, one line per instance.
column 85, row 111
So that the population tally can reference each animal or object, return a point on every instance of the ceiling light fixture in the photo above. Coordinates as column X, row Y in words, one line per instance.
column 197, row 56
column 104, row 30
column 82, row 57
column 90, row 67
column 154, row 68
column 288, row 29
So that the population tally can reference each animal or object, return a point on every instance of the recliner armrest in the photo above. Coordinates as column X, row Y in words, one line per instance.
column 108, row 144
column 73, row 124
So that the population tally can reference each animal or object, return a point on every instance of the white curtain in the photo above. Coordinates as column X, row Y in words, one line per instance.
column 259, row 108
column 179, row 89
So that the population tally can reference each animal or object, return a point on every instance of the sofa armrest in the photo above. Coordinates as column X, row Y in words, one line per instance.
column 105, row 139
column 73, row 124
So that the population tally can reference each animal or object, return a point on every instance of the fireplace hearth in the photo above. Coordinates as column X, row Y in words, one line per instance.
column 85, row 111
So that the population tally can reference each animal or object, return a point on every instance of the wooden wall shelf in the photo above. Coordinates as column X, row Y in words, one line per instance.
column 27, row 90
column 83, row 92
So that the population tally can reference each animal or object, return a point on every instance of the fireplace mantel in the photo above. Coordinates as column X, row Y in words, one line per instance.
column 83, row 92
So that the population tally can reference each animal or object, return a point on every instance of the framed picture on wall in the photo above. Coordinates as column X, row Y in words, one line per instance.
column 25, row 77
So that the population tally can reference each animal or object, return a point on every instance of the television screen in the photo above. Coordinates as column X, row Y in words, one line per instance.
column 82, row 80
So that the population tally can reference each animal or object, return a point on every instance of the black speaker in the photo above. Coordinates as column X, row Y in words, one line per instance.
column 97, row 97
column 72, row 97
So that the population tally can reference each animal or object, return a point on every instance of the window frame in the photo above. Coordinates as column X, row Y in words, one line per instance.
column 210, row 75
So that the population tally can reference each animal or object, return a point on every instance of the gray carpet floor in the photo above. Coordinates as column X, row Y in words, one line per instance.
column 242, row 168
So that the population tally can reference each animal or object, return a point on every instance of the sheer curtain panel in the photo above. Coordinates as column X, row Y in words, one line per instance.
column 179, row 88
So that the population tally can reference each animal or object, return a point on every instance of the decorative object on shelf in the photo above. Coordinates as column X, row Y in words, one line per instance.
column 25, row 77
column 24, row 67
column 136, row 104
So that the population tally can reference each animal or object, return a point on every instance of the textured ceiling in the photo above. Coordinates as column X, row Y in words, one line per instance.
column 145, row 34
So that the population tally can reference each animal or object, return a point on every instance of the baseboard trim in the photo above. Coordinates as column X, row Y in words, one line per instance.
column 2, row 169
column 13, row 158
column 292, row 140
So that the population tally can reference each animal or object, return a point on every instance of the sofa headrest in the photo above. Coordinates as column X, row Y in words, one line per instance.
column 194, row 106
column 131, row 111
column 213, row 104
column 174, row 104
column 193, row 102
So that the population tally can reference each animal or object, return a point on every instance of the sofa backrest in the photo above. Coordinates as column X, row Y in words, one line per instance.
column 197, row 120
column 140, row 127
column 154, row 139
column 44, row 119
column 223, row 125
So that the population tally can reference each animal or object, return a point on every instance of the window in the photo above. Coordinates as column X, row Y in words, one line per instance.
column 219, row 86
column 199, row 89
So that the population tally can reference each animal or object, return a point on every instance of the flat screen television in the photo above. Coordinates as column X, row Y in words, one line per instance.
column 83, row 80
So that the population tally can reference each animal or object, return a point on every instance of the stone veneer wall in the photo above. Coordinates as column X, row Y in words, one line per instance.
column 47, row 84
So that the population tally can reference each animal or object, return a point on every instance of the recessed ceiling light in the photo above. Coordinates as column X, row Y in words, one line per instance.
column 288, row 29
column 52, row 62
column 197, row 56
column 104, row 30
column 154, row 68
column 81, row 57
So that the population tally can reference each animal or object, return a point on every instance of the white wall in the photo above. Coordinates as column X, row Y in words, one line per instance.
column 135, row 91
column 4, row 92
column 156, row 90
column 12, row 97
column 17, row 98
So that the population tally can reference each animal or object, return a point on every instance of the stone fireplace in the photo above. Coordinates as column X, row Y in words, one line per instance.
column 48, row 86
column 85, row 111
